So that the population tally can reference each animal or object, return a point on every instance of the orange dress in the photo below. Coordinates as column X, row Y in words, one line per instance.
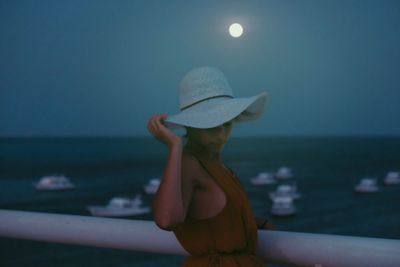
column 227, row 239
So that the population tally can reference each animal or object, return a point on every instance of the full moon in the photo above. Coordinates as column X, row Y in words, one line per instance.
column 235, row 30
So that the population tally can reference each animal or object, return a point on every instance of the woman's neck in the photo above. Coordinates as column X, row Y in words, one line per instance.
column 202, row 152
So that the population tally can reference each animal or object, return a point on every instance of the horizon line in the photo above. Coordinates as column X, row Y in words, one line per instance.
column 234, row 136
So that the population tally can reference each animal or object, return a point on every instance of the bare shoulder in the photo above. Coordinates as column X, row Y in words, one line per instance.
column 190, row 167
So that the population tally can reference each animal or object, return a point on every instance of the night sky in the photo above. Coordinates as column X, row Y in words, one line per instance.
column 102, row 68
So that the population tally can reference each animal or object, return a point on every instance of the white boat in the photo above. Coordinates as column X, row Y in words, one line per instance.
column 120, row 207
column 152, row 186
column 392, row 178
column 366, row 185
column 283, row 206
column 54, row 182
column 285, row 190
column 283, row 173
column 263, row 178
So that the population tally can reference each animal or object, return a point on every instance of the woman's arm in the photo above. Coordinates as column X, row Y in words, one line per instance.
column 173, row 196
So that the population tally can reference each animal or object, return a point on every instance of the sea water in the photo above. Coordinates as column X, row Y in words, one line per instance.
column 325, row 170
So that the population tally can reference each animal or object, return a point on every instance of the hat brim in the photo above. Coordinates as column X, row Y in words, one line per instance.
column 216, row 111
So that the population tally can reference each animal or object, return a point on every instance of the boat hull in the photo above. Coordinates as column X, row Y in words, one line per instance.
column 261, row 182
column 366, row 190
column 53, row 187
column 283, row 211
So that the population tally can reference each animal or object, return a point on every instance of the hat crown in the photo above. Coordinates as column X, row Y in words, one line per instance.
column 201, row 84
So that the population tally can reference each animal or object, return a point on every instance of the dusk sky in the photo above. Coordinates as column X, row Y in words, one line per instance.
column 102, row 68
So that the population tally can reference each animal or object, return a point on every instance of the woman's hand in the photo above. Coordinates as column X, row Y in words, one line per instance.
column 161, row 132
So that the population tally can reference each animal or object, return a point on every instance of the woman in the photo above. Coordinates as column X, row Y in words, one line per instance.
column 199, row 197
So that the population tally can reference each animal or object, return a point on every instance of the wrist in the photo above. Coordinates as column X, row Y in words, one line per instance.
column 175, row 145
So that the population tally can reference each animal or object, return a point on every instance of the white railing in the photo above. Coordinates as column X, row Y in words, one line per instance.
column 295, row 249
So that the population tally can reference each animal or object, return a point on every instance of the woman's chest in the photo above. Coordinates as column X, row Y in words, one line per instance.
column 208, row 199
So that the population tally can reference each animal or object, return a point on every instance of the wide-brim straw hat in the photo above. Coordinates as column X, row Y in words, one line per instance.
column 206, row 100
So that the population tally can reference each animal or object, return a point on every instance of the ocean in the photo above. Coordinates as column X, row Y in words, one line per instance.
column 325, row 171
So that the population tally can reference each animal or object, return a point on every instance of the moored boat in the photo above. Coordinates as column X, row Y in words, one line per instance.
column 283, row 206
column 263, row 178
column 120, row 207
column 285, row 190
column 283, row 173
column 53, row 183
column 152, row 186
column 366, row 185
column 392, row 178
